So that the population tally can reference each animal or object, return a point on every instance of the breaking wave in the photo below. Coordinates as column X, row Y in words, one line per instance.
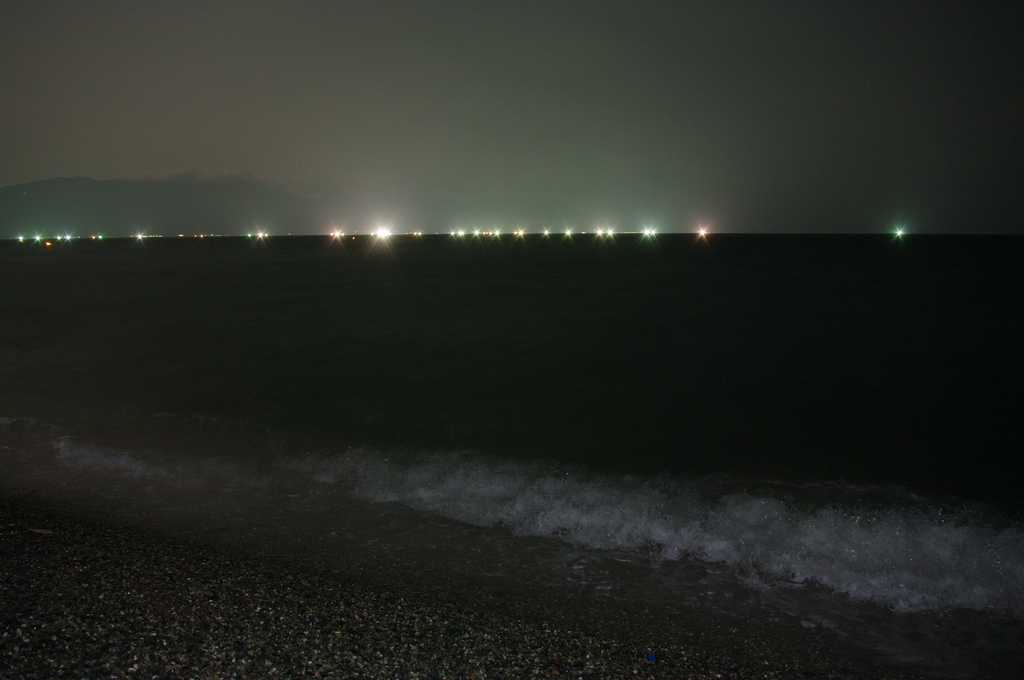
column 905, row 556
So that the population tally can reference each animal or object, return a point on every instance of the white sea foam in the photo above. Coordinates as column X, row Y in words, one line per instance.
column 907, row 559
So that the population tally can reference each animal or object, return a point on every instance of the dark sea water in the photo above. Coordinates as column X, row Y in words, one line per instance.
column 823, row 431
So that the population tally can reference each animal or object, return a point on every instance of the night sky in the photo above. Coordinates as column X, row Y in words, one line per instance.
column 747, row 117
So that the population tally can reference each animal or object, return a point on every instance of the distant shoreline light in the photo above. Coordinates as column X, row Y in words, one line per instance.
column 568, row 233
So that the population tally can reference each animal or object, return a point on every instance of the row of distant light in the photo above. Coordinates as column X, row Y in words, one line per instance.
column 65, row 237
column 568, row 232
column 386, row 233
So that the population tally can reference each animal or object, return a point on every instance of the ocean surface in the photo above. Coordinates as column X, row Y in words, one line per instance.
column 818, row 431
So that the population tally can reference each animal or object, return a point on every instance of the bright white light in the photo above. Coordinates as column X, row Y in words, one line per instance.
column 476, row 232
column 545, row 232
column 703, row 231
column 139, row 236
column 260, row 234
column 38, row 237
column 383, row 233
column 568, row 232
column 20, row 239
column 899, row 232
column 461, row 232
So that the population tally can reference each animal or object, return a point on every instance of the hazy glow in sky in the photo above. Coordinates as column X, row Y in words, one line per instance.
column 747, row 116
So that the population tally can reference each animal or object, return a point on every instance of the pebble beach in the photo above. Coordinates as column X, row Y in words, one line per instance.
column 80, row 598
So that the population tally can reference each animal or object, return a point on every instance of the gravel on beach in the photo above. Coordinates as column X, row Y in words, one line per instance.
column 84, row 599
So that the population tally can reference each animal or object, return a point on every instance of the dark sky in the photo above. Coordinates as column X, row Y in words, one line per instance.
column 765, row 116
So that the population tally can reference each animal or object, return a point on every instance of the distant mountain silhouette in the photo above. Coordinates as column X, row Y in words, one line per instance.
column 83, row 206
column 241, row 204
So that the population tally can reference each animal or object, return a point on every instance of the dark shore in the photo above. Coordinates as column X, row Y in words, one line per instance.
column 87, row 599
